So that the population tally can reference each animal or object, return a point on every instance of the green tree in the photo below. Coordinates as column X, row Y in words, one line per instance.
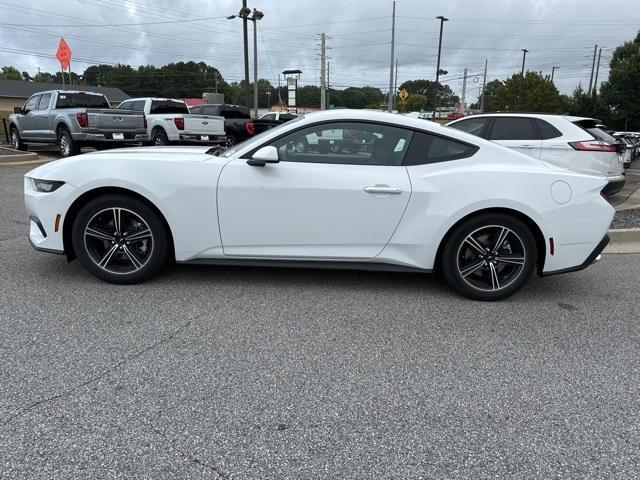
column 10, row 73
column 621, row 91
column 415, row 103
column 489, row 96
column 531, row 93
column 583, row 105
column 428, row 88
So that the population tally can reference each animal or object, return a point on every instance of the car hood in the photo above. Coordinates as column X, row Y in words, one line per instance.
column 147, row 154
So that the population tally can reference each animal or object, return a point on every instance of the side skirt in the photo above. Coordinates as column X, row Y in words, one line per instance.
column 327, row 265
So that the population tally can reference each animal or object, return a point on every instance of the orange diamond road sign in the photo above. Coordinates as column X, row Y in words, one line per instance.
column 63, row 54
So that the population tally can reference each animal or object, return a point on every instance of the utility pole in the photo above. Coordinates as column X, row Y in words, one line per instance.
column 593, row 66
column 328, row 86
column 255, row 63
column 279, row 95
column 595, row 83
column 437, row 86
column 524, row 56
column 323, row 61
column 553, row 70
column 245, row 34
column 393, row 44
column 484, row 85
column 464, row 90
column 395, row 83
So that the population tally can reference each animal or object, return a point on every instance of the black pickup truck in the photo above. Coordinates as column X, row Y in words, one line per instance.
column 238, row 125
column 272, row 119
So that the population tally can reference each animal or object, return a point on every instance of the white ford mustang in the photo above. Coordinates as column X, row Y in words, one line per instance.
column 335, row 189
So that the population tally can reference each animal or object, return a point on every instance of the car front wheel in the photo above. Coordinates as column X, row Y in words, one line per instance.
column 120, row 239
column 16, row 141
column 489, row 257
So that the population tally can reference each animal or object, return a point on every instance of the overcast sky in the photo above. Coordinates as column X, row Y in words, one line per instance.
column 558, row 33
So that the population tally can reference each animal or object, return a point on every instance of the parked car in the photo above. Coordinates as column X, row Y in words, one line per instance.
column 576, row 143
column 169, row 121
column 632, row 139
column 425, row 198
column 238, row 125
column 73, row 119
column 272, row 119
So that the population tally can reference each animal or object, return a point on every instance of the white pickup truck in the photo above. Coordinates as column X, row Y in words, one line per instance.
column 169, row 121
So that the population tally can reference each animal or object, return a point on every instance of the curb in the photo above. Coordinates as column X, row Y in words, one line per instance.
column 27, row 159
column 624, row 240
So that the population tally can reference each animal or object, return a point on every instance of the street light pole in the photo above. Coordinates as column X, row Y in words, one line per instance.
column 257, row 15
column 553, row 71
column 435, row 99
column 245, row 34
column 524, row 55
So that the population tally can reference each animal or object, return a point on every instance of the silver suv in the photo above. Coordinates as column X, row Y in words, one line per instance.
column 575, row 143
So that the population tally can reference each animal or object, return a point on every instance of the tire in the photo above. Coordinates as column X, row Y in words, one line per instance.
column 67, row 145
column 16, row 141
column 231, row 140
column 107, row 252
column 301, row 145
column 159, row 138
column 498, row 273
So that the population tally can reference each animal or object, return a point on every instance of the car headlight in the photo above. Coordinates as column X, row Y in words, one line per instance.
column 46, row 186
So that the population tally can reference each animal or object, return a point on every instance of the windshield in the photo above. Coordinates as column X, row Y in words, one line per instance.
column 81, row 100
column 236, row 148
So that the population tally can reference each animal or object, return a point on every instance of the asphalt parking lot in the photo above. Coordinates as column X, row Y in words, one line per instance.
column 301, row 374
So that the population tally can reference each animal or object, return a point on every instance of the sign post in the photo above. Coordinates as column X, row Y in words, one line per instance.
column 64, row 57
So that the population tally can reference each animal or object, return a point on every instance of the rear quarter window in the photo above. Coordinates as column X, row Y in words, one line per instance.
column 547, row 131
column 427, row 148
column 168, row 106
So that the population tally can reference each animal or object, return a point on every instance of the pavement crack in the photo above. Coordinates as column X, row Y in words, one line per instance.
column 188, row 456
column 95, row 378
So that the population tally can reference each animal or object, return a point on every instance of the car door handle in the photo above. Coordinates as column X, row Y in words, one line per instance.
column 384, row 189
column 525, row 146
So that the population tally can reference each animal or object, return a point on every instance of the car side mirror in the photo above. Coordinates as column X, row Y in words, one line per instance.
column 17, row 110
column 264, row 155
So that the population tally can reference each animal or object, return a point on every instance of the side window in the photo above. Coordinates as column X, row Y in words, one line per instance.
column 138, row 106
column 32, row 103
column 269, row 116
column 347, row 143
column 196, row 110
column 473, row 126
column 426, row 148
column 45, row 99
column 512, row 128
column 547, row 131
column 125, row 106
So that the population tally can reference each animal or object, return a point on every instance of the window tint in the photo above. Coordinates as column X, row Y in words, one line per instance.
column 471, row 125
column 125, row 106
column 426, row 148
column 196, row 110
column 512, row 128
column 547, row 130
column 269, row 116
column 32, row 103
column 45, row 98
column 287, row 116
column 168, row 106
column 210, row 110
column 81, row 100
column 601, row 135
column 234, row 113
column 349, row 143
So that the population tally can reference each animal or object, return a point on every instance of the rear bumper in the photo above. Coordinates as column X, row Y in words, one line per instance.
column 591, row 259
column 197, row 138
column 107, row 137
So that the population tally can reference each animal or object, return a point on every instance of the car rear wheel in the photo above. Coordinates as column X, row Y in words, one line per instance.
column 120, row 239
column 16, row 141
column 489, row 257
column 67, row 145
column 159, row 138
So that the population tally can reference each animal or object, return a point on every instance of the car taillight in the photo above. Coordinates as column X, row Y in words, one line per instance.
column 593, row 146
column 83, row 119
column 250, row 128
column 179, row 121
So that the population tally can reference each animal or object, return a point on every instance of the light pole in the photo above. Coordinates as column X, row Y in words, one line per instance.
column 257, row 15
column 524, row 56
column 244, row 15
column 553, row 70
column 435, row 99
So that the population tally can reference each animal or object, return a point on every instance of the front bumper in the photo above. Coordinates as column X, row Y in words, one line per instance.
column 591, row 259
